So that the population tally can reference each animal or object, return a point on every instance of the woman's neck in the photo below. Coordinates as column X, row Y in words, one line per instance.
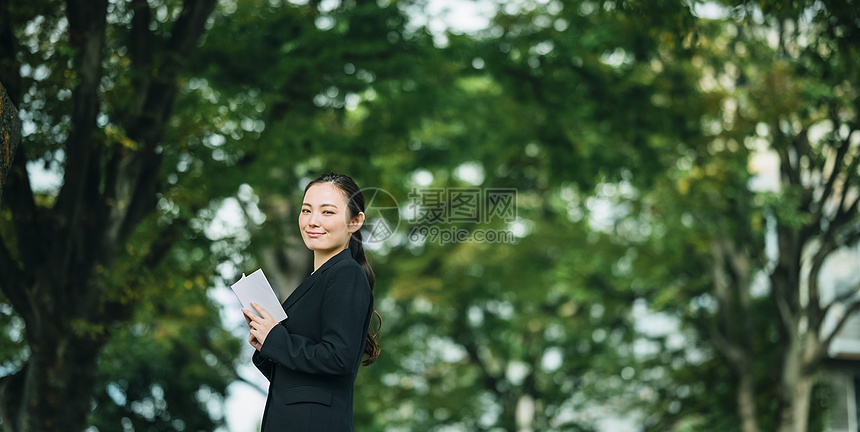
column 320, row 257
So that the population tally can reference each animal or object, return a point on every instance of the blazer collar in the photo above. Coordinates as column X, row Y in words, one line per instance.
column 310, row 280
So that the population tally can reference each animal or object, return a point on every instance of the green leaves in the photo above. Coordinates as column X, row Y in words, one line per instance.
column 637, row 137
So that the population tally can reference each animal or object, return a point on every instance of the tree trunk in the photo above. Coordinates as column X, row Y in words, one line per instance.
column 746, row 403
column 794, row 416
column 796, row 386
column 730, row 270
column 49, row 277
column 10, row 134
column 288, row 264
column 57, row 382
column 52, row 391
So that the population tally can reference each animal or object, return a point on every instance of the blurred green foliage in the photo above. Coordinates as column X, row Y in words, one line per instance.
column 630, row 130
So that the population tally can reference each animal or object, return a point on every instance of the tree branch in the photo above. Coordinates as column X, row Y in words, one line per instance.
column 824, row 346
column 844, row 215
column 140, row 52
column 778, row 294
column 789, row 176
column 740, row 265
column 32, row 237
column 13, row 283
column 109, row 196
column 801, row 146
column 731, row 351
column 840, row 299
column 841, row 151
column 236, row 377
column 165, row 241
column 850, row 239
column 824, row 250
column 231, row 371
column 11, row 389
column 87, row 24
column 721, row 288
column 467, row 341
column 148, row 127
column 189, row 27
column 9, row 65
column 132, row 196
column 737, row 352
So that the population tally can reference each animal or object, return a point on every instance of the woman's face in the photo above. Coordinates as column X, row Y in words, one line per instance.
column 324, row 220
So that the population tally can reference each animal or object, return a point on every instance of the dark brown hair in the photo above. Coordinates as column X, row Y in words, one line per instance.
column 355, row 203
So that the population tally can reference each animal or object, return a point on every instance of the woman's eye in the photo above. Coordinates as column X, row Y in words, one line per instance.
column 305, row 211
column 328, row 212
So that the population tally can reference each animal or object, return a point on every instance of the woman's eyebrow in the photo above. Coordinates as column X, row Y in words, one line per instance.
column 321, row 205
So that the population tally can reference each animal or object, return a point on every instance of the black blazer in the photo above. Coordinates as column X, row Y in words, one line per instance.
column 311, row 359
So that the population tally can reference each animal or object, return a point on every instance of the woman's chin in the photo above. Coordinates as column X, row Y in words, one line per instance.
column 317, row 246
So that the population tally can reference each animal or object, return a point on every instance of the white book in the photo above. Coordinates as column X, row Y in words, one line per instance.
column 255, row 287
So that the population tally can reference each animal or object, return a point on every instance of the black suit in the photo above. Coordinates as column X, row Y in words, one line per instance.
column 312, row 358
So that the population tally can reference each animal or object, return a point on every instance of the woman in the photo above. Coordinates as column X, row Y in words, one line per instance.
column 311, row 359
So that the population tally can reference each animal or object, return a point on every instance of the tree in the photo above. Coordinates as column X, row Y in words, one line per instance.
column 485, row 317
column 115, row 70
column 627, row 130
column 786, row 97
column 813, row 212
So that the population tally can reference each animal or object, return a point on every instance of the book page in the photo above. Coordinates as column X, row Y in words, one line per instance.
column 255, row 287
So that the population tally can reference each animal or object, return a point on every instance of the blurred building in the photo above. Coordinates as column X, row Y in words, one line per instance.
column 843, row 366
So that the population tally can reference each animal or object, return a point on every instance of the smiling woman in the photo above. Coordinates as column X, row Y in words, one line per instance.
column 311, row 359
column 323, row 221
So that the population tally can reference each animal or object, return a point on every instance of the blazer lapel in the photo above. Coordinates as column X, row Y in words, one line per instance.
column 311, row 280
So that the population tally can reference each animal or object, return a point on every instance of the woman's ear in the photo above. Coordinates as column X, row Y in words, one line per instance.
column 356, row 222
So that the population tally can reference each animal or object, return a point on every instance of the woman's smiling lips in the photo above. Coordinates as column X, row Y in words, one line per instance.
column 313, row 234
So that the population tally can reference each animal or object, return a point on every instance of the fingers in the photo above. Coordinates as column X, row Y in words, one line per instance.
column 257, row 337
column 250, row 316
column 262, row 311
column 254, row 342
column 259, row 327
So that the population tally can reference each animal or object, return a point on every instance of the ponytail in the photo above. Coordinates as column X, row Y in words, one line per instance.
column 355, row 203
column 356, row 248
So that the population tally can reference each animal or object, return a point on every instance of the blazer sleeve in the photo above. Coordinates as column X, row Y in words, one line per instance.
column 263, row 364
column 346, row 304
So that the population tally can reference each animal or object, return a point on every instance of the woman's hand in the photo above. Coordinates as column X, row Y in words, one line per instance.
column 260, row 327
